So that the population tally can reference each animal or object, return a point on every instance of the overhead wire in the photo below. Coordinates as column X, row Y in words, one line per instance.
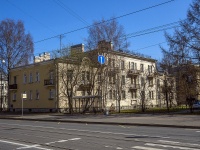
column 149, row 31
column 150, row 7
column 70, row 11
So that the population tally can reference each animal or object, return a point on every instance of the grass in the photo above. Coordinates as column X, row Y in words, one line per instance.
column 155, row 110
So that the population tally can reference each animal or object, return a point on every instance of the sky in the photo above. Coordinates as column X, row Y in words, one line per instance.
column 45, row 19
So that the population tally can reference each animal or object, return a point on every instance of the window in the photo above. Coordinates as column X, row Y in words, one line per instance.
column 150, row 82
column 134, row 94
column 142, row 67
column 51, row 94
column 159, row 95
column 51, row 75
column 150, row 68
column 109, row 61
column 110, row 94
column 15, row 79
column 113, row 63
column 122, row 65
column 69, row 75
column 132, row 65
column 37, row 77
column 99, row 77
column 37, row 95
column 158, row 82
column 110, row 79
column 83, row 93
column 87, row 75
column 31, row 78
column 114, row 94
column 83, row 75
column 123, row 94
column 30, row 95
column 143, row 95
column 123, row 80
column 114, row 79
column 25, row 78
column 14, row 96
column 99, row 92
column 150, row 94
column 142, row 81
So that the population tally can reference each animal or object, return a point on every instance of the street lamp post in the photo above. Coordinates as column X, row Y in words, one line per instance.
column 2, row 62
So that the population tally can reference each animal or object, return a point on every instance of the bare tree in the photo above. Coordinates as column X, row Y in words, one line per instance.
column 167, row 89
column 78, row 76
column 146, row 88
column 108, row 31
column 16, row 46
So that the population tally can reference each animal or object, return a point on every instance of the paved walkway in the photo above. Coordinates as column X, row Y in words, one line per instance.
column 171, row 120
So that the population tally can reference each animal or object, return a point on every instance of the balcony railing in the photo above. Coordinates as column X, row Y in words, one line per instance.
column 134, row 86
column 85, row 85
column 13, row 86
column 133, row 72
column 150, row 74
column 49, row 82
column 113, row 70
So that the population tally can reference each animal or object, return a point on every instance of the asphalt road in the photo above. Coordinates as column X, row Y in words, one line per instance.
column 34, row 135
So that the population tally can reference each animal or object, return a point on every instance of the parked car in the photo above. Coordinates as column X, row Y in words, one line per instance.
column 196, row 105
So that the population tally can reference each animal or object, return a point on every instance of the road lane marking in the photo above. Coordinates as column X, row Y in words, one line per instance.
column 171, row 142
column 25, row 146
column 179, row 147
column 74, row 139
column 102, row 132
column 61, row 141
column 146, row 148
column 113, row 147
column 119, row 148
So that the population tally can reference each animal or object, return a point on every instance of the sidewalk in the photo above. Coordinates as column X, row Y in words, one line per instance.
column 160, row 120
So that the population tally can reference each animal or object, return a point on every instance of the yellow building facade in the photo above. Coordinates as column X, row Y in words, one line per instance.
column 38, row 83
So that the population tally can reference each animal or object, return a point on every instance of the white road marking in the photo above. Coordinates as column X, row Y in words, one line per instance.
column 113, row 147
column 171, row 142
column 60, row 141
column 44, row 127
column 24, row 145
column 179, row 147
column 119, row 148
column 146, row 148
column 197, row 131
column 74, row 139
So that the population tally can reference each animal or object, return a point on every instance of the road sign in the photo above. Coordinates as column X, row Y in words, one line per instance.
column 101, row 59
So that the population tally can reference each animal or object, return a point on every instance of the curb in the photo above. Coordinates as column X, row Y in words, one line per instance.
column 105, row 123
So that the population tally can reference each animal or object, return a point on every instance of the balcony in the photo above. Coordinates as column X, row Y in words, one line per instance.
column 49, row 82
column 134, row 86
column 132, row 73
column 113, row 70
column 150, row 74
column 13, row 86
column 85, row 86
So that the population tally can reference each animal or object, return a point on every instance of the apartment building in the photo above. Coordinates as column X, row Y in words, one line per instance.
column 125, row 81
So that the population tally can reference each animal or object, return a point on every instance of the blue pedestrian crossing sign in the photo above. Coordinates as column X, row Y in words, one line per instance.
column 101, row 59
